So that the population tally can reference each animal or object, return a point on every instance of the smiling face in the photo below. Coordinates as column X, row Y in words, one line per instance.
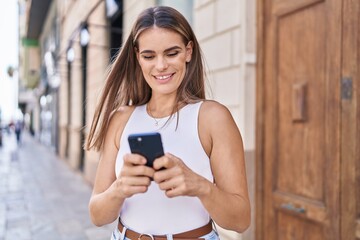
column 162, row 56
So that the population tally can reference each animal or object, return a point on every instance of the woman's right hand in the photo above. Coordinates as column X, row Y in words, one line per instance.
column 134, row 177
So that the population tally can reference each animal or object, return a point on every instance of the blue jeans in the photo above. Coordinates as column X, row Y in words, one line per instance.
column 117, row 235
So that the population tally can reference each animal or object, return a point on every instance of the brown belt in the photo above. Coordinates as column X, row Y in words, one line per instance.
column 192, row 234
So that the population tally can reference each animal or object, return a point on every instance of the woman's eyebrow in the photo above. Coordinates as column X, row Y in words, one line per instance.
column 166, row 50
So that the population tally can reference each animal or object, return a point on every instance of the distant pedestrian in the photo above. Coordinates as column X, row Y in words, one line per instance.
column 18, row 129
column 157, row 84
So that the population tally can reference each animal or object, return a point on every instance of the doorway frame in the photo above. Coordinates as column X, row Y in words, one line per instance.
column 349, row 128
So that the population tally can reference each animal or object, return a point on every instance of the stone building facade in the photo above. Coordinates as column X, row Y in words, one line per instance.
column 91, row 31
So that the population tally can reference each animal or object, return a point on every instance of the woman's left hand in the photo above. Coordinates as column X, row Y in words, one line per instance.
column 177, row 179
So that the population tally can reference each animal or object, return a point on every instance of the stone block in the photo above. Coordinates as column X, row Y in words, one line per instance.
column 228, row 14
column 218, row 51
column 204, row 22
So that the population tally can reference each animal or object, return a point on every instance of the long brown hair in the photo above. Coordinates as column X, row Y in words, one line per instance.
column 125, row 83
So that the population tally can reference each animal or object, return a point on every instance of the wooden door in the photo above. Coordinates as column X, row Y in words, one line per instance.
column 350, row 122
column 298, row 124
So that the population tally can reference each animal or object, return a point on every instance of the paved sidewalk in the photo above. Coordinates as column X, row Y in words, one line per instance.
column 41, row 198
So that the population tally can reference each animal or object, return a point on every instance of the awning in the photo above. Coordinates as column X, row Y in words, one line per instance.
column 37, row 15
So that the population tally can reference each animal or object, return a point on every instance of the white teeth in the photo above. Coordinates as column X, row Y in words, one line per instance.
column 163, row 77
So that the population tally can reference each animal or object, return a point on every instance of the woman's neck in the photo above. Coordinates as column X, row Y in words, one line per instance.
column 159, row 107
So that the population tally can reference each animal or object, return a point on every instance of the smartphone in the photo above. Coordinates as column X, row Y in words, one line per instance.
column 148, row 145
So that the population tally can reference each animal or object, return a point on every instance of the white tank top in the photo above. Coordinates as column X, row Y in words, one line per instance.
column 152, row 212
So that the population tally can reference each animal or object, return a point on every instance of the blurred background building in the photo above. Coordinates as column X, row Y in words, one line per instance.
column 67, row 46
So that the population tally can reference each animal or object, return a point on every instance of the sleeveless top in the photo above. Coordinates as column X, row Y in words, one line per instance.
column 153, row 212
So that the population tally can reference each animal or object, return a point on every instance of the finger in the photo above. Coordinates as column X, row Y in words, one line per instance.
column 129, row 186
column 166, row 161
column 172, row 193
column 165, row 174
column 134, row 159
column 135, row 181
column 169, row 184
column 137, row 170
column 128, row 191
column 173, row 188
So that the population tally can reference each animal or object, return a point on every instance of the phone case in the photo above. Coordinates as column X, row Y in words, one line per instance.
column 148, row 145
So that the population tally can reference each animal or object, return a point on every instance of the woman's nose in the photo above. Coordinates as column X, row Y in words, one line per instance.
column 161, row 64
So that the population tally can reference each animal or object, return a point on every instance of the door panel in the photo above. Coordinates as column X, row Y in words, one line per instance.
column 299, row 229
column 281, row 7
column 301, row 62
column 301, row 119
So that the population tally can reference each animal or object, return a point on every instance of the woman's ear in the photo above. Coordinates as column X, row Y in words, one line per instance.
column 189, row 50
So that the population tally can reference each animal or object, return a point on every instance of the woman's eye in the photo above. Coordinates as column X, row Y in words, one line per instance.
column 173, row 54
column 148, row 57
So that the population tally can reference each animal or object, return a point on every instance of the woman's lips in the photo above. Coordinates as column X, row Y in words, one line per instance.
column 164, row 78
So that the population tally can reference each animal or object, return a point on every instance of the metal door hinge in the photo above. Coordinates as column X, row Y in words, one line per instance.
column 346, row 88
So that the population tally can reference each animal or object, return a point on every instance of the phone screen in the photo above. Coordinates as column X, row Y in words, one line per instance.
column 148, row 145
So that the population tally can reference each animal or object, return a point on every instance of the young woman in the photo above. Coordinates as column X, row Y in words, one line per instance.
column 156, row 84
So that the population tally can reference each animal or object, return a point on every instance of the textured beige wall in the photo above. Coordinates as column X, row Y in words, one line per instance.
column 72, row 13
column 226, row 32
column 229, row 53
column 132, row 10
column 98, row 61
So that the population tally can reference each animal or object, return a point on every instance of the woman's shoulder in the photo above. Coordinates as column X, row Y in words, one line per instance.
column 212, row 114
column 214, row 120
column 121, row 115
column 213, row 109
column 123, row 111
column 118, row 122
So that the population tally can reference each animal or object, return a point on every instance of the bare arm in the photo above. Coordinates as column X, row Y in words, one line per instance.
column 110, row 190
column 227, row 200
